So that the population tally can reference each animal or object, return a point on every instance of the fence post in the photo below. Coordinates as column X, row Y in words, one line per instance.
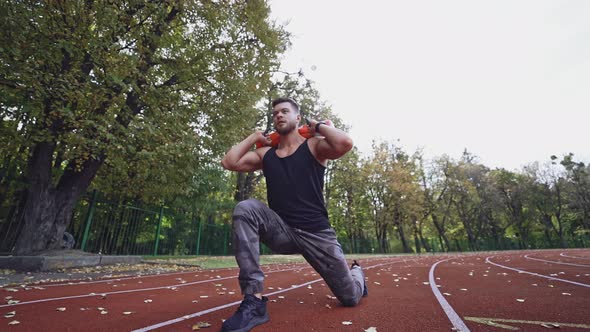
column 158, row 231
column 225, row 231
column 88, row 220
column 199, row 236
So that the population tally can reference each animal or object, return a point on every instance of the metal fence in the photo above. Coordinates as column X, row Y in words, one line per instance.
column 111, row 227
column 118, row 228
column 100, row 225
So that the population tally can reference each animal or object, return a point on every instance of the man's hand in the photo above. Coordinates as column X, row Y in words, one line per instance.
column 239, row 158
column 260, row 139
column 332, row 145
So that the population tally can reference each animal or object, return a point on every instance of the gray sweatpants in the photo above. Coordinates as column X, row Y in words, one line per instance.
column 254, row 222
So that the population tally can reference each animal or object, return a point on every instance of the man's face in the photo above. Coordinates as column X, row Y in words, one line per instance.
column 285, row 118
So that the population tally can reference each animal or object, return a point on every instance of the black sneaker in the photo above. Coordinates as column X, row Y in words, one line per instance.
column 251, row 313
column 356, row 265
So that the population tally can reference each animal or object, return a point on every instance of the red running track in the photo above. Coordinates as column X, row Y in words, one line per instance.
column 531, row 290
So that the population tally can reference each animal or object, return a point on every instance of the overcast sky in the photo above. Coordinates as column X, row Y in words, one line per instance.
column 507, row 80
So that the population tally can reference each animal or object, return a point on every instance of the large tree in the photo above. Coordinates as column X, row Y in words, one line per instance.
column 143, row 87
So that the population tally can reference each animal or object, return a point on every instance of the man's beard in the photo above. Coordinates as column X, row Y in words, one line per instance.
column 286, row 129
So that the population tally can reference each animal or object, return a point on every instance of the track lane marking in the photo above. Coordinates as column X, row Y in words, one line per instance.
column 77, row 282
column 136, row 290
column 554, row 262
column 564, row 255
column 457, row 322
column 223, row 306
column 492, row 322
column 535, row 274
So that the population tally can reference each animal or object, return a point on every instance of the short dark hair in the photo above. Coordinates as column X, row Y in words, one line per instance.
column 285, row 100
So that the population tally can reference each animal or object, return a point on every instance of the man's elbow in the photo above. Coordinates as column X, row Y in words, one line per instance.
column 346, row 145
column 226, row 164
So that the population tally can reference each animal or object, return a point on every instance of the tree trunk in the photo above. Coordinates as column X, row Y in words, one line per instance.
column 402, row 236
column 245, row 185
column 441, row 232
column 48, row 209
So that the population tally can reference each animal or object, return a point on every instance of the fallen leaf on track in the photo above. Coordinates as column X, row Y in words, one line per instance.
column 371, row 329
column 204, row 296
column 328, row 306
column 14, row 322
column 104, row 312
column 148, row 301
column 566, row 294
column 127, row 312
column 520, row 300
column 200, row 325
column 62, row 309
column 10, row 314
column 346, row 323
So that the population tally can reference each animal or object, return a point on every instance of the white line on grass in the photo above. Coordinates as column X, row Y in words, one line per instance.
column 553, row 262
column 536, row 274
column 210, row 310
column 457, row 322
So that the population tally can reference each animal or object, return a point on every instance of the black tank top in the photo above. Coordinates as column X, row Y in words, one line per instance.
column 294, row 188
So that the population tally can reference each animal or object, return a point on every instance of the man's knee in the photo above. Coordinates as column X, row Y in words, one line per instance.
column 349, row 301
column 245, row 208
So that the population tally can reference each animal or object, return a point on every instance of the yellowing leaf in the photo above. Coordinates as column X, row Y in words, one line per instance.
column 200, row 325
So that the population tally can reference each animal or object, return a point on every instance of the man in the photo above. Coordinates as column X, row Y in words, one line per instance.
column 297, row 220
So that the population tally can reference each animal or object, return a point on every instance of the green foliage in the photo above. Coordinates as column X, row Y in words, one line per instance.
column 158, row 90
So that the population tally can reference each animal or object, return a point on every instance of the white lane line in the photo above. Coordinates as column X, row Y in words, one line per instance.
column 536, row 274
column 554, row 262
column 210, row 310
column 457, row 322
column 137, row 289
column 82, row 282
column 577, row 257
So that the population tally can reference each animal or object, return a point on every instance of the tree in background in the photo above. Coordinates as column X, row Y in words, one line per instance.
column 147, row 89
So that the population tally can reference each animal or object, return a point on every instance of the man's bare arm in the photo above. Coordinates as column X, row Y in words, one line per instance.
column 334, row 145
column 239, row 158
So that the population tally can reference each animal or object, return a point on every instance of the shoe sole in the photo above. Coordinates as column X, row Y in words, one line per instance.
column 253, row 323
